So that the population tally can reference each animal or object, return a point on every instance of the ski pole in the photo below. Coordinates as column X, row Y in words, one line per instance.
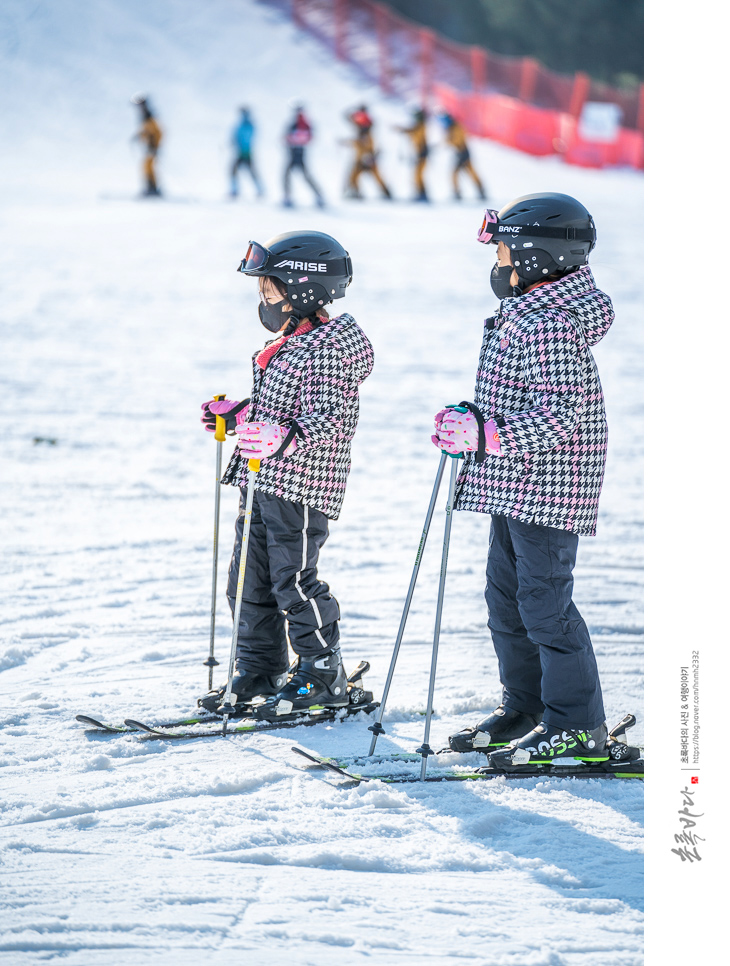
column 226, row 707
column 377, row 728
column 424, row 751
column 220, row 435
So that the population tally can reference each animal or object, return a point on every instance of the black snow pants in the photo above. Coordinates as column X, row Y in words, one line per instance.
column 296, row 163
column 280, row 586
column 546, row 660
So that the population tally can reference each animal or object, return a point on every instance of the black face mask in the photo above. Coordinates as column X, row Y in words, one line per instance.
column 500, row 282
column 273, row 316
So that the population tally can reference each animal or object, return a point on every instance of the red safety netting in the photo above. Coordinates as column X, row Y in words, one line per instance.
column 513, row 100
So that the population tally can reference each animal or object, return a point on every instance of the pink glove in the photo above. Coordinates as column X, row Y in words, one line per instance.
column 214, row 408
column 459, row 433
column 259, row 440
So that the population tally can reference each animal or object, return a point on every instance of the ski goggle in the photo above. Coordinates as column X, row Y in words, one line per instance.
column 486, row 233
column 256, row 258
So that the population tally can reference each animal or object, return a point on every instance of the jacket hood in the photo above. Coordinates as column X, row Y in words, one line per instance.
column 346, row 337
column 589, row 307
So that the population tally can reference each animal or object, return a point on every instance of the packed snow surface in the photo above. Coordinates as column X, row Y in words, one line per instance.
column 119, row 318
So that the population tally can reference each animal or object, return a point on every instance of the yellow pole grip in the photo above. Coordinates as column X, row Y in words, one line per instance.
column 220, row 423
column 254, row 465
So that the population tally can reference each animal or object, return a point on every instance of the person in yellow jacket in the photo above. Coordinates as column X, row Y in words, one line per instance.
column 150, row 135
column 417, row 133
column 365, row 155
column 456, row 136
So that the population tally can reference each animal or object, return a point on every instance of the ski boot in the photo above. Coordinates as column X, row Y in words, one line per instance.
column 316, row 683
column 357, row 696
column 493, row 732
column 246, row 686
column 547, row 744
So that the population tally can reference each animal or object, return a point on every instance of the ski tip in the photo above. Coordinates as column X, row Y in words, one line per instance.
column 138, row 725
column 85, row 719
column 305, row 754
column 99, row 725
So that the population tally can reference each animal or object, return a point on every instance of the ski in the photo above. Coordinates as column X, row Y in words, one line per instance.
column 252, row 725
column 126, row 729
column 608, row 769
column 359, row 698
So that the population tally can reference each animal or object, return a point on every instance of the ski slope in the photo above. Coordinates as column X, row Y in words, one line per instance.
column 119, row 318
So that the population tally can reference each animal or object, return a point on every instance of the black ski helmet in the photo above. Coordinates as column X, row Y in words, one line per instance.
column 313, row 266
column 546, row 232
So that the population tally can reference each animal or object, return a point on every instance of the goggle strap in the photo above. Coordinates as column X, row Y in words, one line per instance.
column 334, row 266
column 537, row 231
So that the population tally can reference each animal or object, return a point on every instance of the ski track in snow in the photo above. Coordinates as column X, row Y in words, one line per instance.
column 118, row 319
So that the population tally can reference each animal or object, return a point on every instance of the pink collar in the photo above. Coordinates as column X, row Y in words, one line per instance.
column 268, row 353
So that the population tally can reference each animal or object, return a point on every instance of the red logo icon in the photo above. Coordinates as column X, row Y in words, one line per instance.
column 695, row 780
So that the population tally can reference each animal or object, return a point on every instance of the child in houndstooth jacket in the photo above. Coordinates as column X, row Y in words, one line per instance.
column 299, row 421
column 535, row 449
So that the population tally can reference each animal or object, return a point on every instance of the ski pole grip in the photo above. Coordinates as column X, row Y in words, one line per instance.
column 220, row 423
column 254, row 465
column 457, row 456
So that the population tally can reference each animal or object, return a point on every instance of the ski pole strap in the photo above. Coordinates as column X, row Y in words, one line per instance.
column 225, row 424
column 294, row 430
column 482, row 443
column 230, row 416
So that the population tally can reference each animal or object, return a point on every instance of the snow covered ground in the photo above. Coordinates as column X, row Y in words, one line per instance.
column 119, row 318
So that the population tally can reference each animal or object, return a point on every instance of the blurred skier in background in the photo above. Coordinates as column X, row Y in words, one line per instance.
column 150, row 135
column 417, row 133
column 365, row 154
column 456, row 136
column 242, row 139
column 298, row 136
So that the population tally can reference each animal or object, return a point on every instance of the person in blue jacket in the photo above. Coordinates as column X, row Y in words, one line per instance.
column 243, row 135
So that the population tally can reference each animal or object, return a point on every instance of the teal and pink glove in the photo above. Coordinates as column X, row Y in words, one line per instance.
column 459, row 433
column 258, row 440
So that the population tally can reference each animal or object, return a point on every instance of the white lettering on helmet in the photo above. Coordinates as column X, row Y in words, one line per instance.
column 303, row 266
column 510, row 228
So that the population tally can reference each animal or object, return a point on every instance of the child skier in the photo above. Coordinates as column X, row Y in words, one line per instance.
column 242, row 140
column 535, row 444
column 299, row 421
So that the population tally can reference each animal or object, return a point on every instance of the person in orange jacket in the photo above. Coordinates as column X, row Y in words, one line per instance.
column 456, row 136
column 150, row 135
column 365, row 154
column 417, row 133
